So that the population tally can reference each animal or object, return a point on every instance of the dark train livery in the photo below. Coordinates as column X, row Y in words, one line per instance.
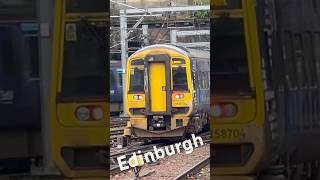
column 116, row 91
column 19, row 96
column 19, row 79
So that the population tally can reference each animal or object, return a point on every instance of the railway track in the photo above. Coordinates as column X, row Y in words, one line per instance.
column 117, row 122
column 114, row 168
column 117, row 126
column 194, row 169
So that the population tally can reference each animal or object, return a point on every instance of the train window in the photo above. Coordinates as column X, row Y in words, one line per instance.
column 136, row 80
column 179, row 79
column 34, row 55
column 267, row 62
column 300, row 60
column 201, row 80
column 315, row 5
column 289, row 59
column 209, row 79
column 317, row 53
column 84, row 65
column 230, row 66
column 6, row 57
column 203, row 77
column 120, row 78
column 112, row 78
column 311, row 64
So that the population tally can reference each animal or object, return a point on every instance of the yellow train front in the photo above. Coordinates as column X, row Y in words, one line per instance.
column 167, row 92
column 79, row 108
column 265, row 103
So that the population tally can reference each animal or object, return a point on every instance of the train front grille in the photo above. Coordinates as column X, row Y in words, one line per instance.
column 231, row 154
column 85, row 158
column 180, row 110
column 137, row 111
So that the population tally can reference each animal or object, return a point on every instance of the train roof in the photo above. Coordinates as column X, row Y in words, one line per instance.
column 196, row 50
column 188, row 49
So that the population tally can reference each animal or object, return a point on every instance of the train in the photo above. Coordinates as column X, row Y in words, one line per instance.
column 265, row 89
column 19, row 96
column 18, row 89
column 116, row 88
column 79, row 103
column 167, row 92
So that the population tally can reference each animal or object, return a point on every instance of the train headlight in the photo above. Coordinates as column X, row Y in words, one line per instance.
column 223, row 110
column 230, row 110
column 216, row 111
column 86, row 113
column 179, row 96
column 137, row 97
column 83, row 113
column 97, row 113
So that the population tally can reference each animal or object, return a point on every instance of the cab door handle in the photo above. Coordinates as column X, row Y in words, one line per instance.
column 163, row 88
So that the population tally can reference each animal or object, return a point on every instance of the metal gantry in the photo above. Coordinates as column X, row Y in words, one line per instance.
column 124, row 50
column 45, row 15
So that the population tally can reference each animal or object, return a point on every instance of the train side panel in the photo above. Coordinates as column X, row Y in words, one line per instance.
column 278, row 116
column 18, row 93
column 298, row 28
column 200, row 70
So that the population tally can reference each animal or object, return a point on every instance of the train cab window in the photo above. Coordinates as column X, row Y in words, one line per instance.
column 179, row 78
column 230, row 66
column 84, row 64
column 137, row 76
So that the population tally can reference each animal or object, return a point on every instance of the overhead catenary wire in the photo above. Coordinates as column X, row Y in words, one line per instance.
column 123, row 4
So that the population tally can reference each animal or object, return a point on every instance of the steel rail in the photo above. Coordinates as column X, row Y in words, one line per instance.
column 194, row 169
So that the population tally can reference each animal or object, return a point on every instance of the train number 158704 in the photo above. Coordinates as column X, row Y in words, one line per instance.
column 229, row 133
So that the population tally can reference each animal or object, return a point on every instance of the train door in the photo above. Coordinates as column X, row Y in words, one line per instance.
column 158, row 87
column 12, row 83
column 159, row 94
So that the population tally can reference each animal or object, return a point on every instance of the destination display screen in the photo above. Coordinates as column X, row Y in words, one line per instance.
column 85, row 6
column 226, row 4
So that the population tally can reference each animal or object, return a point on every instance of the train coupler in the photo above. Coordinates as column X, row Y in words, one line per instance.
column 127, row 132
column 123, row 141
